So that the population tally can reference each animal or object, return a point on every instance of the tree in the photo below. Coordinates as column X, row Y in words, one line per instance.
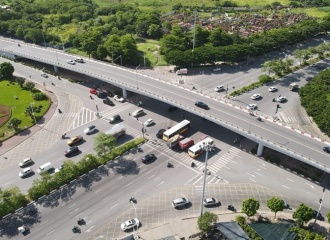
column 29, row 86
column 20, row 81
column 206, row 221
column 328, row 216
column 250, row 207
column 10, row 200
column 104, row 143
column 275, row 204
column 101, row 52
column 303, row 214
column 14, row 123
column 6, row 70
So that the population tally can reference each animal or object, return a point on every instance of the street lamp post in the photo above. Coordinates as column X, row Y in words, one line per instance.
column 206, row 148
column 318, row 212
column 133, row 200
column 137, row 79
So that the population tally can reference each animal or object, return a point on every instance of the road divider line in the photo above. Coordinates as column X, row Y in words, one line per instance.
column 258, row 173
column 74, row 211
column 114, row 206
column 129, row 184
column 250, row 174
column 50, row 232
column 160, row 184
column 290, row 180
column 98, row 190
column 79, row 214
column 72, row 205
column 157, row 179
column 43, row 222
column 252, row 180
column 285, row 186
column 138, row 190
column 150, row 177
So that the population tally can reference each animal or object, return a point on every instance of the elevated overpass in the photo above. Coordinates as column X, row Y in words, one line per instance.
column 268, row 133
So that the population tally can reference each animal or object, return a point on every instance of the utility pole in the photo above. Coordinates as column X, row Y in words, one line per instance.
column 192, row 59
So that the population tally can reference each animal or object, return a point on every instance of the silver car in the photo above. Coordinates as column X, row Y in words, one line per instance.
column 130, row 224
column 25, row 172
column 208, row 202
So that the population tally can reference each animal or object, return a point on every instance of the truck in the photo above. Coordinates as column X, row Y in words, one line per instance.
column 182, row 71
column 117, row 130
column 174, row 141
column 186, row 143
column 293, row 86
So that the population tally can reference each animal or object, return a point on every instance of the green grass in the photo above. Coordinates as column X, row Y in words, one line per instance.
column 313, row 12
column 150, row 49
column 18, row 99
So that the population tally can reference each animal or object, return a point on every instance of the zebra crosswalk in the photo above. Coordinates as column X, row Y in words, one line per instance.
column 83, row 117
column 210, row 179
column 105, row 115
column 224, row 159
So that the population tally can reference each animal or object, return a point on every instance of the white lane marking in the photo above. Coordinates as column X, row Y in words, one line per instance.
column 258, row 173
column 290, row 180
column 150, row 177
column 285, row 187
column 120, row 177
column 90, row 229
column 105, row 198
column 160, row 184
column 43, row 222
column 113, row 206
column 79, row 214
column 128, row 184
column 98, row 190
column 310, row 185
column 74, row 211
column 198, row 180
column 88, row 222
column 252, row 180
column 157, row 179
column 72, row 205
column 50, row 232
column 250, row 174
column 138, row 190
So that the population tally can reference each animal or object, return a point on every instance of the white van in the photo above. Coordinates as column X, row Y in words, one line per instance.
column 45, row 167
column 138, row 112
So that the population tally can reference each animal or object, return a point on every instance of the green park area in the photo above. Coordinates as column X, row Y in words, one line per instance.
column 21, row 105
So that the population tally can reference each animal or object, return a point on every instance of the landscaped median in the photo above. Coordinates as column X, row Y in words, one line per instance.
column 11, row 200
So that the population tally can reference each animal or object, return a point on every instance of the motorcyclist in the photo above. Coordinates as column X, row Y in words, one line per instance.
column 169, row 164
column 63, row 135
column 259, row 118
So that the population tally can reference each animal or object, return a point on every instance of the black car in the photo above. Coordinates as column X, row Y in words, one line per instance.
column 172, row 109
column 326, row 149
column 159, row 134
column 108, row 102
column 71, row 150
column 201, row 105
column 101, row 94
column 148, row 158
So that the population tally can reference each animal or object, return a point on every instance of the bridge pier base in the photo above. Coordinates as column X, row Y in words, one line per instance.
column 260, row 149
column 55, row 69
column 124, row 93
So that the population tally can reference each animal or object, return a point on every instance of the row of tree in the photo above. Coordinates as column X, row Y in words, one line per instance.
column 315, row 99
column 250, row 207
column 104, row 145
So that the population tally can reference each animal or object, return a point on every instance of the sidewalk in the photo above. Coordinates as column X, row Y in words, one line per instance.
column 188, row 229
column 21, row 137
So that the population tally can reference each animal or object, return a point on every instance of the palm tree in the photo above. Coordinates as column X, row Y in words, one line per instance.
column 14, row 123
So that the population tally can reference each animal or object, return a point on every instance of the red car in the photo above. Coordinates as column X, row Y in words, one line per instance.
column 93, row 91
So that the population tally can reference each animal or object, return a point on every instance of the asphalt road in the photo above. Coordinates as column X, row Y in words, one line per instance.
column 277, row 135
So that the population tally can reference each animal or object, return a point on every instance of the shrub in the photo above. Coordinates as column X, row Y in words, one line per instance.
column 40, row 96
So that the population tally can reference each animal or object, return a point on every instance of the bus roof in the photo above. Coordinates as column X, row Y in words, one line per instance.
column 199, row 145
column 176, row 127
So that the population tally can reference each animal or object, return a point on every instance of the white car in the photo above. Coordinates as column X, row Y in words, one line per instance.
column 58, row 169
column 210, row 202
column 281, row 99
column 148, row 122
column 256, row 96
column 71, row 62
column 218, row 88
column 216, row 69
column 251, row 106
column 25, row 172
column 130, row 224
column 272, row 89
column 25, row 162
column 90, row 129
column 118, row 98
column 44, row 75
column 22, row 229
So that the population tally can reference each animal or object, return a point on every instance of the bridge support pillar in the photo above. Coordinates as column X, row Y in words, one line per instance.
column 55, row 69
column 124, row 93
column 260, row 149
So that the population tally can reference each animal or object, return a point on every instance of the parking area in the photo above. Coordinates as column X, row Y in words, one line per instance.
column 157, row 209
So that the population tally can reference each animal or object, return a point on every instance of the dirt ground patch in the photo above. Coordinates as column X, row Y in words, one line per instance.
column 4, row 114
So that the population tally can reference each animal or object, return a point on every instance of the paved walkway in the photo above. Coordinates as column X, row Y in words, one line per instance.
column 188, row 227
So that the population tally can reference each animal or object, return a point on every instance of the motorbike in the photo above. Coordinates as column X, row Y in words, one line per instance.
column 231, row 207
column 53, row 84
column 18, row 44
column 192, row 164
column 169, row 165
column 59, row 111
column 139, row 149
column 81, row 221
column 63, row 135
column 90, row 96
column 76, row 229
column 259, row 119
column 274, row 100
